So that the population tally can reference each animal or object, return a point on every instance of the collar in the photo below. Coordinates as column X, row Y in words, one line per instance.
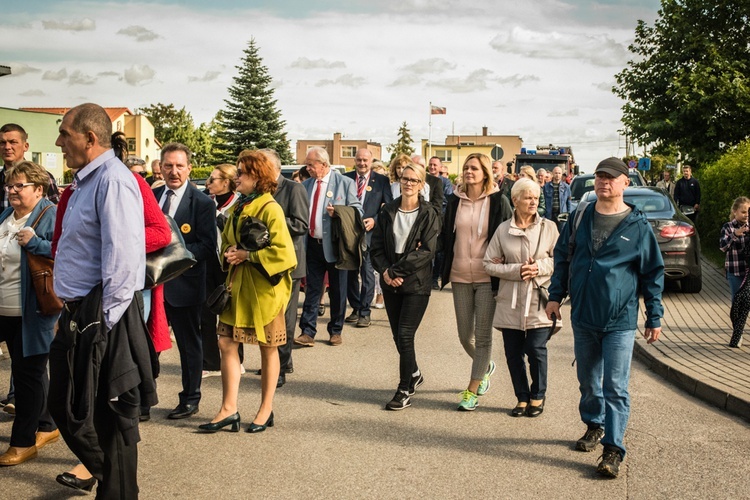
column 93, row 165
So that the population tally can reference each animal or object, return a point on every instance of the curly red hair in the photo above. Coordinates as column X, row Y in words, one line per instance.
column 257, row 164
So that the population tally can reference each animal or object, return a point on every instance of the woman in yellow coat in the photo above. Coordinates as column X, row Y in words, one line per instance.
column 255, row 314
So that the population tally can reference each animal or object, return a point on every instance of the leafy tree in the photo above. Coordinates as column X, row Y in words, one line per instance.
column 403, row 143
column 688, row 85
column 251, row 119
column 171, row 124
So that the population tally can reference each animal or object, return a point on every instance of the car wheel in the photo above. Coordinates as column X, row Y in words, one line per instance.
column 692, row 284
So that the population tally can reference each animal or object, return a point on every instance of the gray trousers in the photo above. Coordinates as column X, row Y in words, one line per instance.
column 475, row 308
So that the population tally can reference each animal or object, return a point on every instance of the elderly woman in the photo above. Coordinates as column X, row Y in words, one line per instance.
column 473, row 213
column 221, row 188
column 26, row 227
column 255, row 313
column 520, row 254
column 402, row 249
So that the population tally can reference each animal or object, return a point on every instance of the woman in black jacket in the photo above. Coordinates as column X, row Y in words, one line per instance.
column 402, row 249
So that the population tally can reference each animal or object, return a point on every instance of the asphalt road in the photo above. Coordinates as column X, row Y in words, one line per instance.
column 333, row 439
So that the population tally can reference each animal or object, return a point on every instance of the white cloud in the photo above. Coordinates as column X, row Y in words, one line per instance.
column 516, row 80
column 406, row 80
column 599, row 50
column 347, row 80
column 475, row 81
column 109, row 73
column 208, row 77
column 32, row 93
column 18, row 69
column 140, row 33
column 85, row 24
column 55, row 76
column 305, row 63
column 605, row 86
column 138, row 74
column 433, row 65
column 79, row 78
column 560, row 113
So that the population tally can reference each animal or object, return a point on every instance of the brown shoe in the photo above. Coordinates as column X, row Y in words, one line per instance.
column 15, row 455
column 335, row 340
column 305, row 340
column 45, row 438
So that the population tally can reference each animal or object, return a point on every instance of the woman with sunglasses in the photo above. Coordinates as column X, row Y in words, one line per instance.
column 403, row 246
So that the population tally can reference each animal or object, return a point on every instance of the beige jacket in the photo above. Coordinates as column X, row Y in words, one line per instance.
column 518, row 305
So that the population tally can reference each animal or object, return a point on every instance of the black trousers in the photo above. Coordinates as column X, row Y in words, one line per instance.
column 405, row 312
column 99, row 443
column 32, row 381
column 290, row 318
column 185, row 323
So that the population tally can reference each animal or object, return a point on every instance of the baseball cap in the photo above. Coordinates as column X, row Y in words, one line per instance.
column 612, row 166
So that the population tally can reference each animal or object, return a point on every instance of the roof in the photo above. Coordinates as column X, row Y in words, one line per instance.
column 114, row 113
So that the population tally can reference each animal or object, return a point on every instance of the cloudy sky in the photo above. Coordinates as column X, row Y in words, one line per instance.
column 541, row 69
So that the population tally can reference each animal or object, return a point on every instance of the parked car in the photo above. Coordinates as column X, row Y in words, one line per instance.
column 584, row 183
column 678, row 240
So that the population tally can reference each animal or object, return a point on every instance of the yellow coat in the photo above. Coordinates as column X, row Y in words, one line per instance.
column 255, row 302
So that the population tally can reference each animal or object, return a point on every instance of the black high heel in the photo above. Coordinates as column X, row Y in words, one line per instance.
column 72, row 481
column 260, row 428
column 535, row 411
column 233, row 420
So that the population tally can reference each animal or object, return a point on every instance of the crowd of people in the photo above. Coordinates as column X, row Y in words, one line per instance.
column 367, row 238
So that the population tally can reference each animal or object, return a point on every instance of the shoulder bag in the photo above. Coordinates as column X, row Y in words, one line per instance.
column 41, row 269
column 169, row 262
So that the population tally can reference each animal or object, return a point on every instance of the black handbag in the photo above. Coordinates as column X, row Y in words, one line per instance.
column 169, row 262
column 254, row 235
column 220, row 297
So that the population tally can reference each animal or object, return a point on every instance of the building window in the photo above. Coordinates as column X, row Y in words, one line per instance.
column 131, row 144
column 348, row 151
column 36, row 158
column 444, row 154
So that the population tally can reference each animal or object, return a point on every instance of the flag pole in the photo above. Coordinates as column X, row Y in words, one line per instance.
column 429, row 134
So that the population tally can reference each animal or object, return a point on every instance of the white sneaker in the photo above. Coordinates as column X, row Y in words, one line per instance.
column 242, row 369
column 211, row 373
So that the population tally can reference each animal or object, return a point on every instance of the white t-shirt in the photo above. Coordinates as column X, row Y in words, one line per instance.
column 402, row 227
column 10, row 266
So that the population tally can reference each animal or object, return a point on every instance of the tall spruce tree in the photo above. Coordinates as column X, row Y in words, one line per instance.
column 251, row 119
column 403, row 143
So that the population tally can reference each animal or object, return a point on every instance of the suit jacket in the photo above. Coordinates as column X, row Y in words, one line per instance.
column 341, row 191
column 377, row 192
column 293, row 200
column 437, row 195
column 196, row 218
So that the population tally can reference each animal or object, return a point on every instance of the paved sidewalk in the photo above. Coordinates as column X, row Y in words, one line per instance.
column 693, row 351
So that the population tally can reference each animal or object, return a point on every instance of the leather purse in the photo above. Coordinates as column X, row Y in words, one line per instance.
column 219, row 299
column 41, row 269
column 169, row 262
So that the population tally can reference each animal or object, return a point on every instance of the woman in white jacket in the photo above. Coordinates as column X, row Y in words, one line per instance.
column 520, row 254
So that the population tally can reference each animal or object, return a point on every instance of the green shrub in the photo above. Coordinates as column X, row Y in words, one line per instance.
column 721, row 183
column 201, row 172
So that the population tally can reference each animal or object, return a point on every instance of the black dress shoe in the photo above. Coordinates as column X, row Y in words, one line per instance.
column 71, row 481
column 321, row 310
column 211, row 427
column 145, row 414
column 535, row 411
column 282, row 380
column 183, row 411
column 353, row 317
column 518, row 411
column 260, row 428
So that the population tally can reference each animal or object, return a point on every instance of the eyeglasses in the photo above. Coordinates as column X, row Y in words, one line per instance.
column 406, row 180
column 17, row 187
column 212, row 179
column 142, row 174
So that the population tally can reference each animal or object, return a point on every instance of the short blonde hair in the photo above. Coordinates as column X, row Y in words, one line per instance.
column 524, row 185
column 417, row 169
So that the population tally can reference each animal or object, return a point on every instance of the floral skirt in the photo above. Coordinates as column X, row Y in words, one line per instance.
column 275, row 332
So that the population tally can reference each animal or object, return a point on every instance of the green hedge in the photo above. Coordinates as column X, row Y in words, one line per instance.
column 201, row 172
column 721, row 183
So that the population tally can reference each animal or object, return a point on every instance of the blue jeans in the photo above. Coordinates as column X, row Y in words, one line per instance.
column 734, row 284
column 603, row 366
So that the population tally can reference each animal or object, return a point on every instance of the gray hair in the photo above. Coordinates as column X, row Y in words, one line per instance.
column 524, row 185
column 274, row 157
column 91, row 117
column 321, row 154
column 177, row 146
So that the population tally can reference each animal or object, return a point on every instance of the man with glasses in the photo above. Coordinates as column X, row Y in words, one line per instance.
column 325, row 189
column 195, row 215
column 436, row 193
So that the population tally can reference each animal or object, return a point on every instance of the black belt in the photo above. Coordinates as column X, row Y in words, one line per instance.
column 72, row 305
column 319, row 241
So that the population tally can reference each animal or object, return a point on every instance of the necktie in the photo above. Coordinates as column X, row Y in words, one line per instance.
column 360, row 186
column 168, row 202
column 314, row 213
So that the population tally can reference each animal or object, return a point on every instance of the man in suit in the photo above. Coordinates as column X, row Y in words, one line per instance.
column 325, row 188
column 373, row 190
column 194, row 213
column 293, row 200
column 436, row 186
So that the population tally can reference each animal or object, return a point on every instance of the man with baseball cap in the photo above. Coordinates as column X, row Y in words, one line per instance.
column 603, row 261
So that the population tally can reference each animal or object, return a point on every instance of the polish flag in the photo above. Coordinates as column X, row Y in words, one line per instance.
column 436, row 110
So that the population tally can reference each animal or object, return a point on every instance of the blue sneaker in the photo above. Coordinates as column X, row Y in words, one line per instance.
column 484, row 385
column 469, row 401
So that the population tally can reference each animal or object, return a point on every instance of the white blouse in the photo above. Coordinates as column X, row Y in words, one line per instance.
column 10, row 265
column 402, row 227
